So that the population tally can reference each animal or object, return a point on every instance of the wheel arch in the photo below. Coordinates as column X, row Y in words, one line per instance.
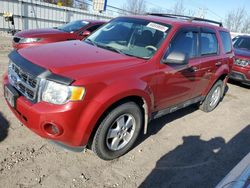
column 141, row 101
column 221, row 74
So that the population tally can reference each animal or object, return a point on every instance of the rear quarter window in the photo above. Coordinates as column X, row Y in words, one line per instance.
column 226, row 41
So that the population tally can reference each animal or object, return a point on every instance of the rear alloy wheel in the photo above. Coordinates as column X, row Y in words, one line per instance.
column 213, row 98
column 118, row 131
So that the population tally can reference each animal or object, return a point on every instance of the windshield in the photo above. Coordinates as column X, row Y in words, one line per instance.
column 133, row 37
column 73, row 26
column 242, row 43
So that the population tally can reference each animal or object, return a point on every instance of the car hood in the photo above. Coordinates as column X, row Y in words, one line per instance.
column 39, row 33
column 242, row 52
column 76, row 59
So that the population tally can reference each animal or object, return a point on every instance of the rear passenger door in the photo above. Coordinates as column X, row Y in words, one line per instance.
column 210, row 59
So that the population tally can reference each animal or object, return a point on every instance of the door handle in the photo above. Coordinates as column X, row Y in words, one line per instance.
column 218, row 64
column 193, row 69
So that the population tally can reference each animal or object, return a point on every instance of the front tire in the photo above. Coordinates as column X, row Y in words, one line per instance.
column 213, row 98
column 118, row 131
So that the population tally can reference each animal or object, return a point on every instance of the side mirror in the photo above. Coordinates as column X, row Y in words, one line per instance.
column 85, row 33
column 177, row 58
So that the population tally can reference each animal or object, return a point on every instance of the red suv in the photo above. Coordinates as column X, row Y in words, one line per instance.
column 76, row 30
column 103, row 91
column 241, row 67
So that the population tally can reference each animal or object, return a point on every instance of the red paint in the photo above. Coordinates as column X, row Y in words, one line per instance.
column 53, row 35
column 109, row 77
column 243, row 70
column 242, row 53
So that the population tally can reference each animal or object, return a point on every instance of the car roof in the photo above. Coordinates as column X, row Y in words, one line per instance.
column 177, row 21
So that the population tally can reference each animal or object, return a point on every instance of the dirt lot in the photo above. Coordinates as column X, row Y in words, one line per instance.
column 188, row 148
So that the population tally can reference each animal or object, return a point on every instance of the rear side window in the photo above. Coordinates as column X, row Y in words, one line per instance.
column 209, row 44
column 185, row 42
column 226, row 41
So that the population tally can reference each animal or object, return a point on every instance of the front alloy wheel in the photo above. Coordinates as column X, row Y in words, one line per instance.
column 121, row 132
column 118, row 131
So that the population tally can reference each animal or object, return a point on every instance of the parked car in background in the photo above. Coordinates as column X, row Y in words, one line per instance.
column 101, row 92
column 241, row 67
column 75, row 30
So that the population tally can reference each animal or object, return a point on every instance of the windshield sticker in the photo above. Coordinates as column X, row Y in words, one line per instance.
column 158, row 27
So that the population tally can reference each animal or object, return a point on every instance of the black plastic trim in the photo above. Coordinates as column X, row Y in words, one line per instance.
column 69, row 148
column 189, row 18
column 59, row 79
column 207, row 30
column 234, row 75
column 26, row 65
column 176, row 107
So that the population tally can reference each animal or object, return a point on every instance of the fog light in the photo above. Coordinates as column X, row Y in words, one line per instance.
column 52, row 129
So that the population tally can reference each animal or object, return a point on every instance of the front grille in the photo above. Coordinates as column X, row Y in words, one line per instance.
column 23, row 81
column 16, row 39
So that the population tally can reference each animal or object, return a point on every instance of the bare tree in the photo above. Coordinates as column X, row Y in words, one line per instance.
column 135, row 6
column 246, row 25
column 179, row 8
column 235, row 20
column 160, row 10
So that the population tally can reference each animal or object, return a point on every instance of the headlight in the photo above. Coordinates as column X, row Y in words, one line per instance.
column 242, row 62
column 29, row 40
column 60, row 94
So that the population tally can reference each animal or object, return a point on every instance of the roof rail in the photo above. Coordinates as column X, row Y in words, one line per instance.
column 189, row 18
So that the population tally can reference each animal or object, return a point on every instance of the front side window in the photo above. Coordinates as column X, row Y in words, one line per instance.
column 133, row 37
column 242, row 43
column 185, row 42
column 209, row 44
column 73, row 26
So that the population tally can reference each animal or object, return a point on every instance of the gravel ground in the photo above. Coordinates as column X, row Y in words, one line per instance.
column 188, row 148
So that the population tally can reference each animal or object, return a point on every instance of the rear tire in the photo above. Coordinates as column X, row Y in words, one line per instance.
column 118, row 131
column 213, row 98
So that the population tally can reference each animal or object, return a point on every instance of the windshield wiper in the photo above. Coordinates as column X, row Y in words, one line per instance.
column 110, row 48
column 90, row 42
column 136, row 56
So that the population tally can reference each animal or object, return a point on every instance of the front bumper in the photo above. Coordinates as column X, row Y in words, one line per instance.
column 239, row 77
column 241, row 74
column 76, row 127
